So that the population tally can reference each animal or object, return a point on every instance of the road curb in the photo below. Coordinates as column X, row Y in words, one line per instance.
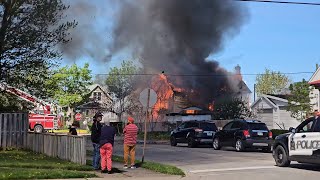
column 153, row 142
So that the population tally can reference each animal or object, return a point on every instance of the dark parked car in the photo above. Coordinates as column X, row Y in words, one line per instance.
column 193, row 133
column 243, row 134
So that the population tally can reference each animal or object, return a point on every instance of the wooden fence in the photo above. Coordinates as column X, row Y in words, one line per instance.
column 13, row 130
column 71, row 148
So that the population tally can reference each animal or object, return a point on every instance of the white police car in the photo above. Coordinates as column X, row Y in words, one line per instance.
column 301, row 144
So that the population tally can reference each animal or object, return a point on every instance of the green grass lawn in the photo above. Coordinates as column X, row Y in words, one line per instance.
column 154, row 166
column 28, row 165
column 66, row 131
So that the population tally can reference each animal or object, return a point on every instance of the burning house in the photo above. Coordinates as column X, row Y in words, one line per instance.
column 176, row 37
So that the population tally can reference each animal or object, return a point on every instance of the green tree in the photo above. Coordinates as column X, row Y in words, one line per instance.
column 121, row 85
column 69, row 85
column 30, row 31
column 231, row 108
column 271, row 82
column 299, row 100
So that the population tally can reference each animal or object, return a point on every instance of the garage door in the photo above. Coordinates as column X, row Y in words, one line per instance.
column 266, row 116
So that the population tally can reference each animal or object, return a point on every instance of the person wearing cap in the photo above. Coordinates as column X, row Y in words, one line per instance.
column 130, row 140
column 106, row 147
column 95, row 138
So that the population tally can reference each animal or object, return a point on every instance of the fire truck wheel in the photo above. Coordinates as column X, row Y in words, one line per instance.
column 38, row 129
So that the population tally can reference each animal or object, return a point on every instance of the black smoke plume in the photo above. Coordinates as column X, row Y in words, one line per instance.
column 176, row 36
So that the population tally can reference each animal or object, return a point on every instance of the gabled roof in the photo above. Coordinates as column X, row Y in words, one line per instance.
column 315, row 77
column 270, row 100
column 93, row 87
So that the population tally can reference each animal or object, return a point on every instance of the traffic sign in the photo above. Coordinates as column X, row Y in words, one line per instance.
column 78, row 116
column 144, row 97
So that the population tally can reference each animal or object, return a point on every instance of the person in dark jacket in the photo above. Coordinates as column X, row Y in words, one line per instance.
column 106, row 147
column 73, row 129
column 95, row 138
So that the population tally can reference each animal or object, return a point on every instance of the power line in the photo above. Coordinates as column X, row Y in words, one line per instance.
column 283, row 2
column 199, row 75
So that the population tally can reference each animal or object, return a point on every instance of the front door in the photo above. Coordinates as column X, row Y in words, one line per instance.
column 179, row 132
column 225, row 134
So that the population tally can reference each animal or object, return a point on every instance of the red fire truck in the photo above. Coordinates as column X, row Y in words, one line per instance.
column 42, row 117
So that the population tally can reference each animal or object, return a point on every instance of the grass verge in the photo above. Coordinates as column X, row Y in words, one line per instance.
column 18, row 164
column 154, row 166
column 28, row 173
column 66, row 131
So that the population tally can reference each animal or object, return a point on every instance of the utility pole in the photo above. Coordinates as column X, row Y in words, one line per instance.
column 254, row 93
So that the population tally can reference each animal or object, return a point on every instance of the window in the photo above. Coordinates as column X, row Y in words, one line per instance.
column 305, row 126
column 182, row 126
column 236, row 125
column 228, row 126
column 97, row 96
column 87, row 112
column 258, row 126
column 208, row 126
column 192, row 125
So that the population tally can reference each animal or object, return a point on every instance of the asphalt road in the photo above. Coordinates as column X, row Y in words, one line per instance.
column 206, row 163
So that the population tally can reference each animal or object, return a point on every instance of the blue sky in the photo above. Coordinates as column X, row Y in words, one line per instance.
column 284, row 38
column 279, row 37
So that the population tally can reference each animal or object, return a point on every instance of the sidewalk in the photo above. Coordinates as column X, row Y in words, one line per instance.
column 134, row 174
column 139, row 173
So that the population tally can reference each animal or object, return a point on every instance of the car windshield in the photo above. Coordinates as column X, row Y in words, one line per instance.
column 208, row 126
column 257, row 126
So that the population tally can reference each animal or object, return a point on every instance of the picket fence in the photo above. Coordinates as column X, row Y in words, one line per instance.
column 71, row 148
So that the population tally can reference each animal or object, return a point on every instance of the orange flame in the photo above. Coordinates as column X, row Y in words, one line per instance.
column 164, row 91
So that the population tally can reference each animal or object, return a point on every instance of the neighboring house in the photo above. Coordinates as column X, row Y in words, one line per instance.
column 272, row 110
column 98, row 101
column 315, row 94
column 244, row 92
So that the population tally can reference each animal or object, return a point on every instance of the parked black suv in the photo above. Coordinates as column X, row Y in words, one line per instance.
column 193, row 133
column 243, row 134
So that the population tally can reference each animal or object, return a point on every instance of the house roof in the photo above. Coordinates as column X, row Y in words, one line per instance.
column 315, row 77
column 192, row 108
column 93, row 87
column 314, row 82
column 243, row 87
column 270, row 99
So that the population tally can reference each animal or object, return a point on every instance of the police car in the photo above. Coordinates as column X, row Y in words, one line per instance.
column 301, row 144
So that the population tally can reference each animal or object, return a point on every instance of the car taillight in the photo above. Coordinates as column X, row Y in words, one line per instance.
column 246, row 133
column 270, row 135
column 198, row 130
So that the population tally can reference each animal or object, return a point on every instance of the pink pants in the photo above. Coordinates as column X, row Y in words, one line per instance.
column 106, row 155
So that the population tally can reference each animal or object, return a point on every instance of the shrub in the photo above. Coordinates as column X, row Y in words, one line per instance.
column 277, row 132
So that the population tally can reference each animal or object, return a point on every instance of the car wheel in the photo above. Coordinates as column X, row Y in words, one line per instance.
column 239, row 145
column 281, row 157
column 173, row 141
column 216, row 144
column 38, row 129
column 191, row 142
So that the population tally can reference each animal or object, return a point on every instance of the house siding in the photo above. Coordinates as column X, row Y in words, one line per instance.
column 266, row 116
column 314, row 99
column 275, row 117
column 286, row 120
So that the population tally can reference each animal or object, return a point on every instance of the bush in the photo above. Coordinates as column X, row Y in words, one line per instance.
column 277, row 132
